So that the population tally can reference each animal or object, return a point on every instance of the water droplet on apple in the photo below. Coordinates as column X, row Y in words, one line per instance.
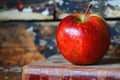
column 85, row 30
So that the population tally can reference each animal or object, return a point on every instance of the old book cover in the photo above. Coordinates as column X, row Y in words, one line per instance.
column 57, row 68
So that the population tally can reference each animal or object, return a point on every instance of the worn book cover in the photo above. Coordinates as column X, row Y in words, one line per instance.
column 57, row 68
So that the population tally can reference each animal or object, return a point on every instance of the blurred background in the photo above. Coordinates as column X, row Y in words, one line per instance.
column 28, row 29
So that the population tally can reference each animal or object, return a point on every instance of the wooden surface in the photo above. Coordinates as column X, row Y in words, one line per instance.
column 10, row 72
column 57, row 68
column 16, row 15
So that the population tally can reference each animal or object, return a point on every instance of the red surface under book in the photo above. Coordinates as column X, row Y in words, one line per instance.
column 57, row 68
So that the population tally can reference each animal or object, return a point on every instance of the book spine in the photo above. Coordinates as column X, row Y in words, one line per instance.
column 68, row 74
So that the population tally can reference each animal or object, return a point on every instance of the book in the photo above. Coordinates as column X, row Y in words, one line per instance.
column 58, row 68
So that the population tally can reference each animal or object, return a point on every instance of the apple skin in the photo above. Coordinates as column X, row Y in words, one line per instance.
column 83, row 40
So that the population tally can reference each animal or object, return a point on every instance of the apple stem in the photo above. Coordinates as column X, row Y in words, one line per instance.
column 84, row 17
column 88, row 9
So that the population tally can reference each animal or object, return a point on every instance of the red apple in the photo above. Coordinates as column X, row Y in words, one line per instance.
column 83, row 38
column 20, row 5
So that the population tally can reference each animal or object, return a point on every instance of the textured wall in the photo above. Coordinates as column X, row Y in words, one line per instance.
column 40, row 36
